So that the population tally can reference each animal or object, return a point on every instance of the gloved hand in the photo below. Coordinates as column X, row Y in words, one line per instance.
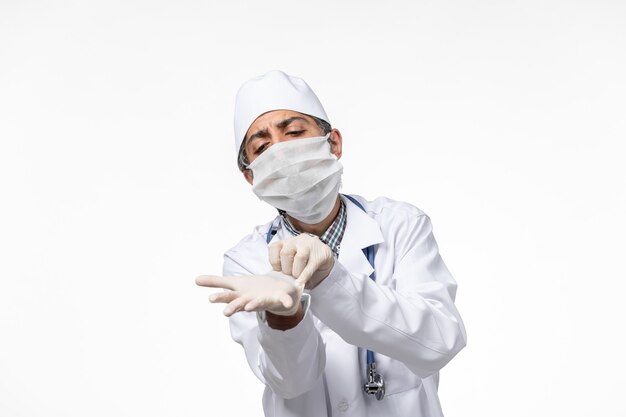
column 275, row 292
column 304, row 257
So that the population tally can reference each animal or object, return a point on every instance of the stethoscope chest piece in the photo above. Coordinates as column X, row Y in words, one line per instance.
column 375, row 384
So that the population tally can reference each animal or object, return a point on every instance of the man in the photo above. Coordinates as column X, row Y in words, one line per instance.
column 343, row 306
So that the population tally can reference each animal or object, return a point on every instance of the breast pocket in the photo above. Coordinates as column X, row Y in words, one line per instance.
column 398, row 378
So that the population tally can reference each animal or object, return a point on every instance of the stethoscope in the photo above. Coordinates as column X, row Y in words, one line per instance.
column 375, row 384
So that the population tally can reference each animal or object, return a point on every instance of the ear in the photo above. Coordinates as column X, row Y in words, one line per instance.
column 336, row 142
column 247, row 174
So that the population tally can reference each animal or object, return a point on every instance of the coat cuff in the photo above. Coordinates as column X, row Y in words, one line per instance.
column 338, row 276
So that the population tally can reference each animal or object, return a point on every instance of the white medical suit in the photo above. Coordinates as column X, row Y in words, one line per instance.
column 407, row 317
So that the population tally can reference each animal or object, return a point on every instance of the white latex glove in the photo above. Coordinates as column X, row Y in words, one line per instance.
column 275, row 292
column 304, row 257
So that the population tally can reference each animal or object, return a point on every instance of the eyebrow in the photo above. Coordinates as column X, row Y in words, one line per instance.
column 281, row 125
column 288, row 121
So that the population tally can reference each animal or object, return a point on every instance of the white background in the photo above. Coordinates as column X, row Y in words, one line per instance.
column 504, row 121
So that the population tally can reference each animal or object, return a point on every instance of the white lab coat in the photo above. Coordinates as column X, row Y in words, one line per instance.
column 407, row 317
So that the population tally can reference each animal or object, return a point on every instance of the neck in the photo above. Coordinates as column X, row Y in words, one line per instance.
column 317, row 229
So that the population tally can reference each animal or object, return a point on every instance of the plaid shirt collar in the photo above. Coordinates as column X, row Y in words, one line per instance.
column 332, row 236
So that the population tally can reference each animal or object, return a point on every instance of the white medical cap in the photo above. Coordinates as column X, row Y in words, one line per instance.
column 274, row 90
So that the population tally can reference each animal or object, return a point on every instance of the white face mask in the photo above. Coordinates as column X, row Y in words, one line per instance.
column 299, row 176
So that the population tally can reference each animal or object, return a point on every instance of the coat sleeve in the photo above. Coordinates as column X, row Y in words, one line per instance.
column 288, row 362
column 414, row 320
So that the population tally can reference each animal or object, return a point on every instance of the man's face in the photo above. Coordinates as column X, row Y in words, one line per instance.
column 281, row 125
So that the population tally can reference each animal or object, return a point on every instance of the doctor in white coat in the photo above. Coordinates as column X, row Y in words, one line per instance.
column 343, row 306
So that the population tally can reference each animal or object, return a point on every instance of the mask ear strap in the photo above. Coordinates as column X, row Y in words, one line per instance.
column 332, row 143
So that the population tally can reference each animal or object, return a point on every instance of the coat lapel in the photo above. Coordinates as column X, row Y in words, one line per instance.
column 361, row 231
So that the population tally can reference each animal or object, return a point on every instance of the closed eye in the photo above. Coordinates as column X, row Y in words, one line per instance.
column 295, row 132
column 261, row 148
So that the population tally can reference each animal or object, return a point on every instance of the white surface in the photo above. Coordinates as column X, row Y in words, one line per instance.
column 504, row 121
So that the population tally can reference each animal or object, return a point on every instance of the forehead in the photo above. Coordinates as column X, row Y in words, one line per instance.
column 271, row 118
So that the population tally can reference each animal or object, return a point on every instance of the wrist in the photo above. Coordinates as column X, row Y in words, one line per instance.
column 279, row 322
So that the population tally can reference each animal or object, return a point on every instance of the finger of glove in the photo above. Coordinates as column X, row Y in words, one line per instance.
column 308, row 271
column 287, row 255
column 286, row 306
column 300, row 260
column 235, row 306
column 254, row 305
column 274, row 254
column 215, row 281
column 223, row 297
column 260, row 303
column 286, row 300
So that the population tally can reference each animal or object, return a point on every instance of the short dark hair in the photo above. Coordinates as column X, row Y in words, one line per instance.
column 242, row 157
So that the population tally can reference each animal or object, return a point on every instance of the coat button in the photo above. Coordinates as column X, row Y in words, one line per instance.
column 343, row 406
